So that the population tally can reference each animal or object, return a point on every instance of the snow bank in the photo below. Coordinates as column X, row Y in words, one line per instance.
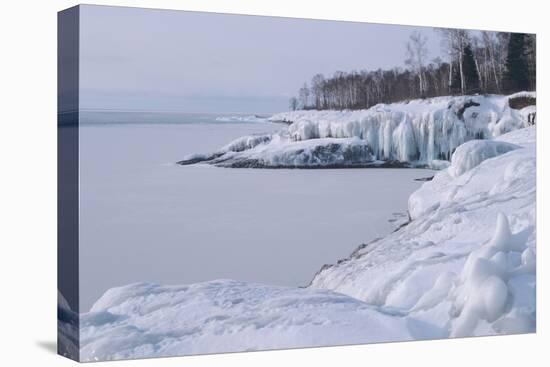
column 148, row 320
column 472, row 153
column 461, row 266
column 484, row 290
column 414, row 133
column 464, row 177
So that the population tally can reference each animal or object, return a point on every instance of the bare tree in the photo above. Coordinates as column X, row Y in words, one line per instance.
column 293, row 103
column 454, row 41
column 317, row 90
column 417, row 52
column 490, row 44
column 303, row 94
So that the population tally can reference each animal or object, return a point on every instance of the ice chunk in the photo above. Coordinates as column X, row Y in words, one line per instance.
column 495, row 294
column 246, row 142
column 472, row 153
column 484, row 293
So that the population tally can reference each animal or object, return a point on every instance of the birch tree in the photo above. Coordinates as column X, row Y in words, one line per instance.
column 303, row 94
column 417, row 53
column 454, row 42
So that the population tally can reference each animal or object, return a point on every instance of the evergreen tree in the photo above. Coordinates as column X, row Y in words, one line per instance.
column 471, row 76
column 516, row 76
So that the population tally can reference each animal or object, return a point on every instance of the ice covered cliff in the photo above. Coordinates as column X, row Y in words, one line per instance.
column 464, row 266
column 422, row 132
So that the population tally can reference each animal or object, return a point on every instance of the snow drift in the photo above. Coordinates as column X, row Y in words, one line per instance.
column 148, row 320
column 464, row 266
column 472, row 153
column 413, row 133
column 461, row 265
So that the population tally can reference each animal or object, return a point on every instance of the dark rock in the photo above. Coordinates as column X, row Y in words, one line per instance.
column 518, row 103
column 423, row 179
column 468, row 104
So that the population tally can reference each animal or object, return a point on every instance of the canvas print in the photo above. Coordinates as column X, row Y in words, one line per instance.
column 233, row 183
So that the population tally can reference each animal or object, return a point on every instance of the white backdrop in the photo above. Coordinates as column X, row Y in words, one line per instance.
column 28, row 181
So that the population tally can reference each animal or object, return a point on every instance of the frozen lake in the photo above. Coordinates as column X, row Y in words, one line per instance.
column 144, row 218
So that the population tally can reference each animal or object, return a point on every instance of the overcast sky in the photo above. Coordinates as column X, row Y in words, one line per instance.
column 153, row 60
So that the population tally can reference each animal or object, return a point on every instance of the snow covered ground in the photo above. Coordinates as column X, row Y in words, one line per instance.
column 464, row 266
column 413, row 133
column 148, row 320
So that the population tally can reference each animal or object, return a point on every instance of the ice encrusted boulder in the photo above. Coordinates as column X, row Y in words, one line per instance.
column 472, row 153
column 413, row 133
column 318, row 153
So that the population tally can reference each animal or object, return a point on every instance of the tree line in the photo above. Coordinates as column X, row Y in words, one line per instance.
column 484, row 62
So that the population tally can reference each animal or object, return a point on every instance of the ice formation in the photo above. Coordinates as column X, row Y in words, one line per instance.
column 413, row 133
column 472, row 153
column 266, row 151
column 483, row 291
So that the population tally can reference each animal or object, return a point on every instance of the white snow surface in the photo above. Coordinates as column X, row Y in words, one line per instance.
column 148, row 320
column 473, row 152
column 464, row 266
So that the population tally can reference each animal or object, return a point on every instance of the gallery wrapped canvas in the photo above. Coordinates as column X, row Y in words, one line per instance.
column 232, row 183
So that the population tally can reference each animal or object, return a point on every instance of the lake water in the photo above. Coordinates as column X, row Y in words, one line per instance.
column 144, row 218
